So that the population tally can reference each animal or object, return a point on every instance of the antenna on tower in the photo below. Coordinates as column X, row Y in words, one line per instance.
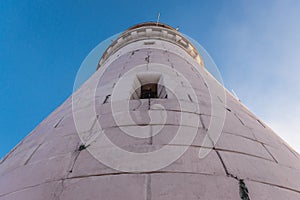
column 158, row 16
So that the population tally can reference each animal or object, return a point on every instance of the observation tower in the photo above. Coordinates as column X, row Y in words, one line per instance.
column 151, row 124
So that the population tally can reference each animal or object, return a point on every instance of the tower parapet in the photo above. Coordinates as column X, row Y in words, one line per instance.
column 151, row 30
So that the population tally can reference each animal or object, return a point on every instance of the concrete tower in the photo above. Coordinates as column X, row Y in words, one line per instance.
column 151, row 124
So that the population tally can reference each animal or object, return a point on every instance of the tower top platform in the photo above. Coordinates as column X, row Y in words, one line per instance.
column 154, row 31
column 159, row 24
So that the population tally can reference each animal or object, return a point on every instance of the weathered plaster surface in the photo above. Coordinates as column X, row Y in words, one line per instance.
column 48, row 164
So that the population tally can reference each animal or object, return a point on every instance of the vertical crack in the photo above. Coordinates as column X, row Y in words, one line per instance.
column 74, row 161
column 77, row 153
column 94, row 123
column 224, row 166
column 244, row 193
column 149, row 103
column 222, row 162
column 202, row 122
column 151, row 138
column 147, row 59
column 92, row 137
column 148, row 187
column 211, row 140
column 59, row 191
column 243, row 190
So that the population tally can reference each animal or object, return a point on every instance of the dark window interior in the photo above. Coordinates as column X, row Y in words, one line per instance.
column 149, row 91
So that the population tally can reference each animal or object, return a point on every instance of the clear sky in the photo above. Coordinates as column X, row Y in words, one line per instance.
column 255, row 44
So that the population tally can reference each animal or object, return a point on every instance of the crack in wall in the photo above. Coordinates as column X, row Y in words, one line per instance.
column 275, row 185
column 151, row 136
column 60, row 190
column 269, row 152
column 260, row 123
column 156, row 172
column 239, row 152
column 244, row 193
column 74, row 161
column 202, row 122
column 211, row 140
column 190, row 98
column 148, row 187
column 243, row 190
column 149, row 103
column 181, row 111
column 220, row 99
column 106, row 99
column 218, row 149
column 239, row 119
column 58, row 123
column 222, row 162
column 33, row 152
column 149, row 173
column 147, row 59
column 244, row 124
column 80, row 148
column 138, row 173
column 25, row 188
column 242, row 136
column 144, row 124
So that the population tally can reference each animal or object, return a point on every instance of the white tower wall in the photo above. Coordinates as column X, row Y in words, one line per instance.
column 65, row 156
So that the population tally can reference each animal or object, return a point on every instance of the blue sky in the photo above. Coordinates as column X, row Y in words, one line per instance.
column 255, row 44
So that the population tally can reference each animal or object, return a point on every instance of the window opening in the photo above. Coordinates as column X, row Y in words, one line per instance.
column 149, row 91
column 149, row 86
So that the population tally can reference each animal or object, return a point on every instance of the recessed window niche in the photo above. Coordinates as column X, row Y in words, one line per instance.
column 149, row 85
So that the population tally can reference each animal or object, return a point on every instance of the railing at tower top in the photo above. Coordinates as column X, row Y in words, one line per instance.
column 151, row 32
